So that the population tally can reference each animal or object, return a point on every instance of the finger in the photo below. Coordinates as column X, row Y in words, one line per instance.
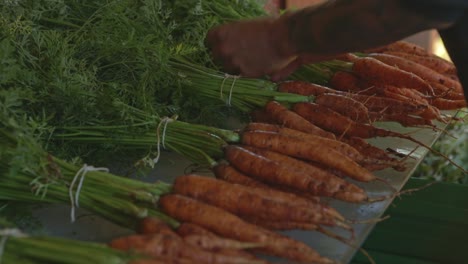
column 230, row 67
column 286, row 71
column 213, row 37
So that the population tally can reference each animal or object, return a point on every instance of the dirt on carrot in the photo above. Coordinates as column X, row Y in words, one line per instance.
column 228, row 225
column 288, row 118
column 279, row 193
column 317, row 182
column 313, row 151
column 242, row 200
column 369, row 68
column 435, row 63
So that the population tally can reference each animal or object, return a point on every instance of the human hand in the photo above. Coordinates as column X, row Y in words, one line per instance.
column 253, row 48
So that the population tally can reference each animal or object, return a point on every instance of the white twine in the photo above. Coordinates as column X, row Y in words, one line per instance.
column 226, row 76
column 164, row 122
column 75, row 202
column 5, row 234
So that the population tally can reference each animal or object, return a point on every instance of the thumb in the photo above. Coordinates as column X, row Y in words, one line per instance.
column 284, row 72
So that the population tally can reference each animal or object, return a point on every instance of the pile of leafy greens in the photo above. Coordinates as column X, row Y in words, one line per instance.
column 75, row 63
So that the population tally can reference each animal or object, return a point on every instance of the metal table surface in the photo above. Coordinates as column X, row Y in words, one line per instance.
column 92, row 228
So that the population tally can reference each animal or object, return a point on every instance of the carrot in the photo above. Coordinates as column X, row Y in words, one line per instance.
column 200, row 237
column 345, row 105
column 228, row 173
column 368, row 149
column 224, row 246
column 303, row 88
column 405, row 94
column 152, row 225
column 216, row 243
column 228, row 225
column 341, row 125
column 447, row 104
column 378, row 72
column 187, row 228
column 314, row 170
column 281, row 225
column 243, row 200
column 161, row 261
column 317, row 182
column 285, row 226
column 422, row 71
column 337, row 145
column 404, row 120
column 372, row 103
column 307, row 150
column 403, row 46
column 171, row 246
column 287, row 118
column 279, row 193
column 454, row 93
column 435, row 63
column 345, row 81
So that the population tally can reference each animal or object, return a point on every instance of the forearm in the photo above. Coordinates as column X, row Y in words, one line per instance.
column 352, row 25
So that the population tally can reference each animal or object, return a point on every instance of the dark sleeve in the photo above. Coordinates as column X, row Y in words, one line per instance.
column 440, row 13
column 450, row 17
column 455, row 40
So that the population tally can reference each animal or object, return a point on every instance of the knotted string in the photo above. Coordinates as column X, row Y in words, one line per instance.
column 81, row 173
column 5, row 234
column 161, row 139
column 226, row 76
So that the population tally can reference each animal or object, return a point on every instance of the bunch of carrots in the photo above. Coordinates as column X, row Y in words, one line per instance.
column 273, row 175
column 269, row 176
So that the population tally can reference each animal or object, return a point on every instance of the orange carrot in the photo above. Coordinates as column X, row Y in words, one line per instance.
column 303, row 88
column 435, row 63
column 422, row 71
column 171, row 246
column 402, row 46
column 404, row 120
column 405, row 94
column 162, row 261
column 372, row 103
column 243, row 200
column 346, row 82
column 279, row 193
column 318, row 182
column 341, row 125
column 345, row 105
column 337, row 145
column 152, row 225
column 454, row 93
column 287, row 118
column 308, row 169
column 216, row 243
column 228, row 225
column 281, row 225
column 367, row 149
column 378, row 72
column 317, row 152
column 284, row 226
column 228, row 173
column 187, row 228
column 447, row 104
